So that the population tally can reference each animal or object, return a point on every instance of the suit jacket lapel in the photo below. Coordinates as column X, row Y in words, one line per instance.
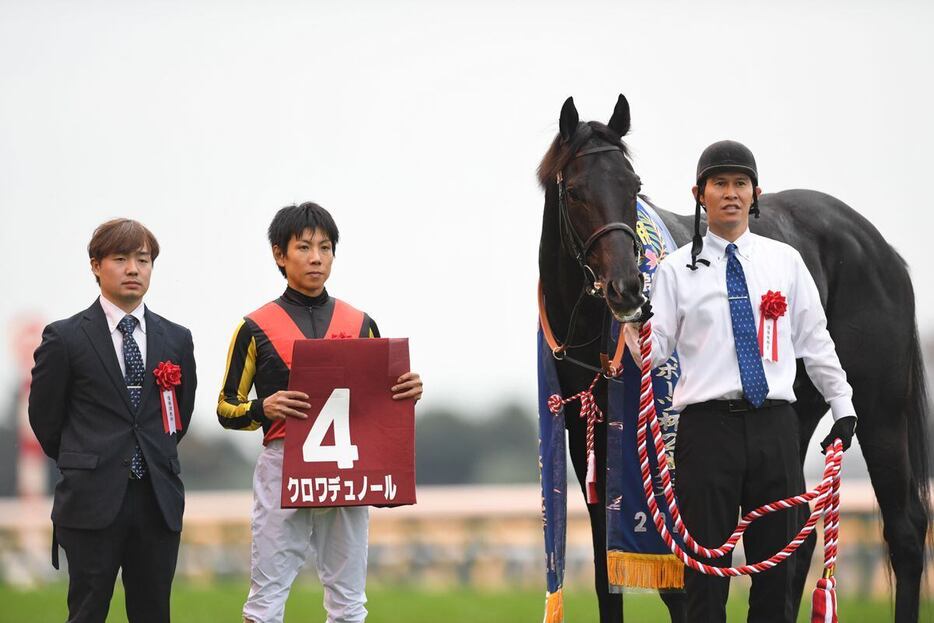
column 154, row 350
column 95, row 327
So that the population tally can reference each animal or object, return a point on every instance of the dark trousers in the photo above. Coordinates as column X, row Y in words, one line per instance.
column 139, row 544
column 727, row 462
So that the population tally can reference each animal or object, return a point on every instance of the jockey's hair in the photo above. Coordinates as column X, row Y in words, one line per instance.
column 292, row 221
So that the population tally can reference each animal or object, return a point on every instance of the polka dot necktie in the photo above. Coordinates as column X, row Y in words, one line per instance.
column 755, row 387
column 134, row 366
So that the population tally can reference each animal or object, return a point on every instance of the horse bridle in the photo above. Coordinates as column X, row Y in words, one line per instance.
column 610, row 367
column 578, row 249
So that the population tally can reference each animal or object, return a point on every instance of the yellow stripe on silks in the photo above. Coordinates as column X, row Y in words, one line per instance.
column 554, row 607
column 633, row 570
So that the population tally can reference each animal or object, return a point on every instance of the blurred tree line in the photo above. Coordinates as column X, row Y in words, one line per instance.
column 452, row 447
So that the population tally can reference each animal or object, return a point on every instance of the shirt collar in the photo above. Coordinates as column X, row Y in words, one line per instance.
column 716, row 246
column 114, row 314
column 294, row 296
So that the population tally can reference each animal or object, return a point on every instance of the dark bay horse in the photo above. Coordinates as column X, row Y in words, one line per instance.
column 865, row 290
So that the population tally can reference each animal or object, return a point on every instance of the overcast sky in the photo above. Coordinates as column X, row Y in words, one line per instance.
column 419, row 126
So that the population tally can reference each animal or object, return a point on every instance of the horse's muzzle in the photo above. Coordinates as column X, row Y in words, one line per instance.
column 624, row 298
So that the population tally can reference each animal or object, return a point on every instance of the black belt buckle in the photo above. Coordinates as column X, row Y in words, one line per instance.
column 739, row 406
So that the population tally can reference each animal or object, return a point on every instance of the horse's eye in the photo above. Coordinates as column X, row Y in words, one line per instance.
column 573, row 194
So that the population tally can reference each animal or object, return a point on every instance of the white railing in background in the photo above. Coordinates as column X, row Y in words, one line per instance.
column 464, row 535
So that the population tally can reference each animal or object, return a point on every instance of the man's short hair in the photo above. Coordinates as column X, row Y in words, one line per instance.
column 292, row 221
column 121, row 235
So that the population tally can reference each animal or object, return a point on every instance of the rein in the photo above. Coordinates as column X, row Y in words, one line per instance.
column 610, row 368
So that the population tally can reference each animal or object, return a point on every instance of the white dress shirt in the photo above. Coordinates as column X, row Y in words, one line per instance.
column 114, row 315
column 692, row 315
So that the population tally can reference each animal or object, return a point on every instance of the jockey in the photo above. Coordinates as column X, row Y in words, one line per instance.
column 303, row 240
column 740, row 309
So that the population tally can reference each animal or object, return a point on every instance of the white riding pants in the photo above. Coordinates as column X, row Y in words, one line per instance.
column 283, row 539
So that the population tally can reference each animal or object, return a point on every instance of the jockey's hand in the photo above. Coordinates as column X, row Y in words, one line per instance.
column 842, row 428
column 285, row 403
column 409, row 385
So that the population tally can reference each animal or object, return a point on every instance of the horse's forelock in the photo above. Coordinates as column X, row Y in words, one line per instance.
column 561, row 152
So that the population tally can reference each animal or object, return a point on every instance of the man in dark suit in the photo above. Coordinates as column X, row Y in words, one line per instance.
column 112, row 424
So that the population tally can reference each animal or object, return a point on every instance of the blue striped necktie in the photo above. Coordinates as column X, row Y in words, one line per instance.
column 751, row 372
column 134, row 366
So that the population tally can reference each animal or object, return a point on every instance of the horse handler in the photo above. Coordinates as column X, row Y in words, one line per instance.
column 740, row 309
column 303, row 240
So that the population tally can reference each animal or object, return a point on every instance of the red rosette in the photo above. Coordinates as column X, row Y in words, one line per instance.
column 168, row 375
column 773, row 305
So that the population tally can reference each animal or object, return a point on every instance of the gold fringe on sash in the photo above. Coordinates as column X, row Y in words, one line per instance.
column 633, row 570
column 554, row 607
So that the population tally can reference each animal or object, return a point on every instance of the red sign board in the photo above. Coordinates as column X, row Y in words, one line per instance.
column 357, row 446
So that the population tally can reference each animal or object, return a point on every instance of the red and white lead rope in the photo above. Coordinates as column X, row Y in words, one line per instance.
column 826, row 495
column 592, row 413
column 826, row 498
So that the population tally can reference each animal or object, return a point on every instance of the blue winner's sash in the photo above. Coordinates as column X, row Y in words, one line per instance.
column 636, row 555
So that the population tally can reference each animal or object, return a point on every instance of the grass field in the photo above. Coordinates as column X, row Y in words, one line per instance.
column 222, row 602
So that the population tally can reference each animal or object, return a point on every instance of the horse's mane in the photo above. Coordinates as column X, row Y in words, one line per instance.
column 561, row 152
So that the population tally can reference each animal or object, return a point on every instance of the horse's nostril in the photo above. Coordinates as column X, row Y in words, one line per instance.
column 625, row 290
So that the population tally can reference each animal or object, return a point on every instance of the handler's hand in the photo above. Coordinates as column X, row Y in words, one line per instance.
column 842, row 428
column 409, row 385
column 285, row 403
column 631, row 335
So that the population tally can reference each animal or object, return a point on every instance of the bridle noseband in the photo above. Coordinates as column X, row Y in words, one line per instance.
column 578, row 249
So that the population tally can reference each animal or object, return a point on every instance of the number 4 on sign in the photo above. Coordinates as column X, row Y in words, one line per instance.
column 337, row 411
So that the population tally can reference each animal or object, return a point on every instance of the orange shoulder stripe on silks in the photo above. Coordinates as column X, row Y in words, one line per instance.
column 275, row 322
column 279, row 327
column 346, row 321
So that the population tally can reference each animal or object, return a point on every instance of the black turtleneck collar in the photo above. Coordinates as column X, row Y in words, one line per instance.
column 294, row 296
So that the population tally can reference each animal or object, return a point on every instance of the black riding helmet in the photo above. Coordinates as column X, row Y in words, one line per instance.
column 719, row 157
column 727, row 156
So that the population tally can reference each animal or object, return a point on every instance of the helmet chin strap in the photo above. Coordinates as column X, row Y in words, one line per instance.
column 697, row 243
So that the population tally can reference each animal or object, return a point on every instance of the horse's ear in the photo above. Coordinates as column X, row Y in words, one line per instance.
column 619, row 122
column 569, row 119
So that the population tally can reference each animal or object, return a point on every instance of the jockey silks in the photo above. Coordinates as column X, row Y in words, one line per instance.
column 261, row 351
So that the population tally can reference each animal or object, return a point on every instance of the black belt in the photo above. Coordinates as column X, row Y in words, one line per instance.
column 739, row 405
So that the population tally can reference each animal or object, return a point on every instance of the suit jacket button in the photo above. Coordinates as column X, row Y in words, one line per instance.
column 136, row 427
column 126, row 461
